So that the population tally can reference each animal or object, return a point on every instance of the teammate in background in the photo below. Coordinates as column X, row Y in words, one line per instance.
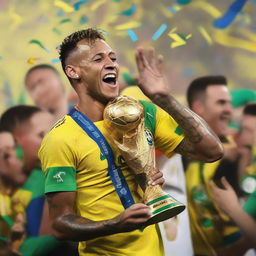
column 44, row 85
column 213, row 233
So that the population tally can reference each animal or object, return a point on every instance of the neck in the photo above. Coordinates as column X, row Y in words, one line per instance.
column 7, row 187
column 61, row 108
column 92, row 108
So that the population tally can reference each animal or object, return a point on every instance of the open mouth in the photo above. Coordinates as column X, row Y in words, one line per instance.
column 110, row 79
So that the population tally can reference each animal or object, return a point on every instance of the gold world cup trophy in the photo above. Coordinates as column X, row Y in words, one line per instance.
column 124, row 120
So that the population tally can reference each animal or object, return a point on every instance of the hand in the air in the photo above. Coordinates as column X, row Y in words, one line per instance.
column 151, row 77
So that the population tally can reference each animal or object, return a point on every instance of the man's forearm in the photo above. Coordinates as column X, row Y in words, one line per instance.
column 76, row 228
column 200, row 140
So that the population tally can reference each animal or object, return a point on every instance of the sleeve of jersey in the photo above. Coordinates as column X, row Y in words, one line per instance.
column 250, row 205
column 58, row 164
column 168, row 134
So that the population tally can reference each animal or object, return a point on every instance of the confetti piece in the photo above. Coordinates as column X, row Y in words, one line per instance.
column 32, row 60
column 57, row 31
column 34, row 41
column 130, row 11
column 55, row 60
column 128, row 25
column 183, row 2
column 65, row 21
column 132, row 35
column 205, row 34
column 64, row 6
column 83, row 19
column 179, row 39
column 22, row 98
column 212, row 10
column 76, row 5
column 223, row 38
column 159, row 32
column 7, row 90
column 96, row 5
column 230, row 15
column 60, row 13
column 172, row 9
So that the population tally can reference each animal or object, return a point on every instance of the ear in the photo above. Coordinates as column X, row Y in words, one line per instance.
column 197, row 107
column 72, row 72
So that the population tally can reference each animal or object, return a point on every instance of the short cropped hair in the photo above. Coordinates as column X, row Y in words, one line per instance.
column 250, row 109
column 70, row 43
column 15, row 116
column 197, row 87
column 41, row 66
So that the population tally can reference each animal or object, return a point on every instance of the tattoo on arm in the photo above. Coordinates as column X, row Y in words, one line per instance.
column 194, row 127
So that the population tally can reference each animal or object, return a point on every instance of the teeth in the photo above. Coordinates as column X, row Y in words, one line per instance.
column 109, row 76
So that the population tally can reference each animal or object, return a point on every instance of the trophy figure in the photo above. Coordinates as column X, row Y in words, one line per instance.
column 124, row 120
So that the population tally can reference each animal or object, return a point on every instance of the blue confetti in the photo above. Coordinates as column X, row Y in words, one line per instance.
column 188, row 72
column 55, row 60
column 76, row 5
column 60, row 13
column 132, row 35
column 171, row 9
column 130, row 11
column 83, row 19
column 159, row 32
column 230, row 15
column 183, row 2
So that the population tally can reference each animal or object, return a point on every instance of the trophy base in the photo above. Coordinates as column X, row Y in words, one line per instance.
column 163, row 208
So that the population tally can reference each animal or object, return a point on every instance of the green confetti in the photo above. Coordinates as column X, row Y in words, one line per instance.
column 34, row 41
column 65, row 21
column 57, row 31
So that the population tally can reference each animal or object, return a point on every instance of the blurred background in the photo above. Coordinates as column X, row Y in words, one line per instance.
column 196, row 37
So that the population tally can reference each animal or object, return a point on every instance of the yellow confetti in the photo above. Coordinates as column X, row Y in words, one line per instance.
column 172, row 31
column 178, row 40
column 96, row 5
column 128, row 25
column 64, row 6
column 32, row 60
column 212, row 10
column 188, row 36
column 16, row 18
column 205, row 34
column 223, row 38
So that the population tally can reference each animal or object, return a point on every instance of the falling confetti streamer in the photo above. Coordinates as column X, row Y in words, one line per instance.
column 128, row 25
column 130, row 11
column 65, row 21
column 159, row 32
column 83, row 19
column 132, row 35
column 64, row 6
column 183, row 2
column 32, row 60
column 96, row 5
column 205, row 34
column 230, row 15
column 79, row 3
column 34, row 41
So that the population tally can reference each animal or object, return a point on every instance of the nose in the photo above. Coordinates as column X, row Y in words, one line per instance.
column 110, row 64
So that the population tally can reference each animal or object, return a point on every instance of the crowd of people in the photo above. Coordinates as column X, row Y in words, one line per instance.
column 59, row 182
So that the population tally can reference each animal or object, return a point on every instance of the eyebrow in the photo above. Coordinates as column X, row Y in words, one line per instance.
column 102, row 53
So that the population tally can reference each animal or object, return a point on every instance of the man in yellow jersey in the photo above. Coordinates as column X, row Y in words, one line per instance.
column 213, row 232
column 87, row 202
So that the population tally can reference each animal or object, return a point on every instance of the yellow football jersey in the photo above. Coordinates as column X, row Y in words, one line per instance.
column 210, row 227
column 72, row 161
